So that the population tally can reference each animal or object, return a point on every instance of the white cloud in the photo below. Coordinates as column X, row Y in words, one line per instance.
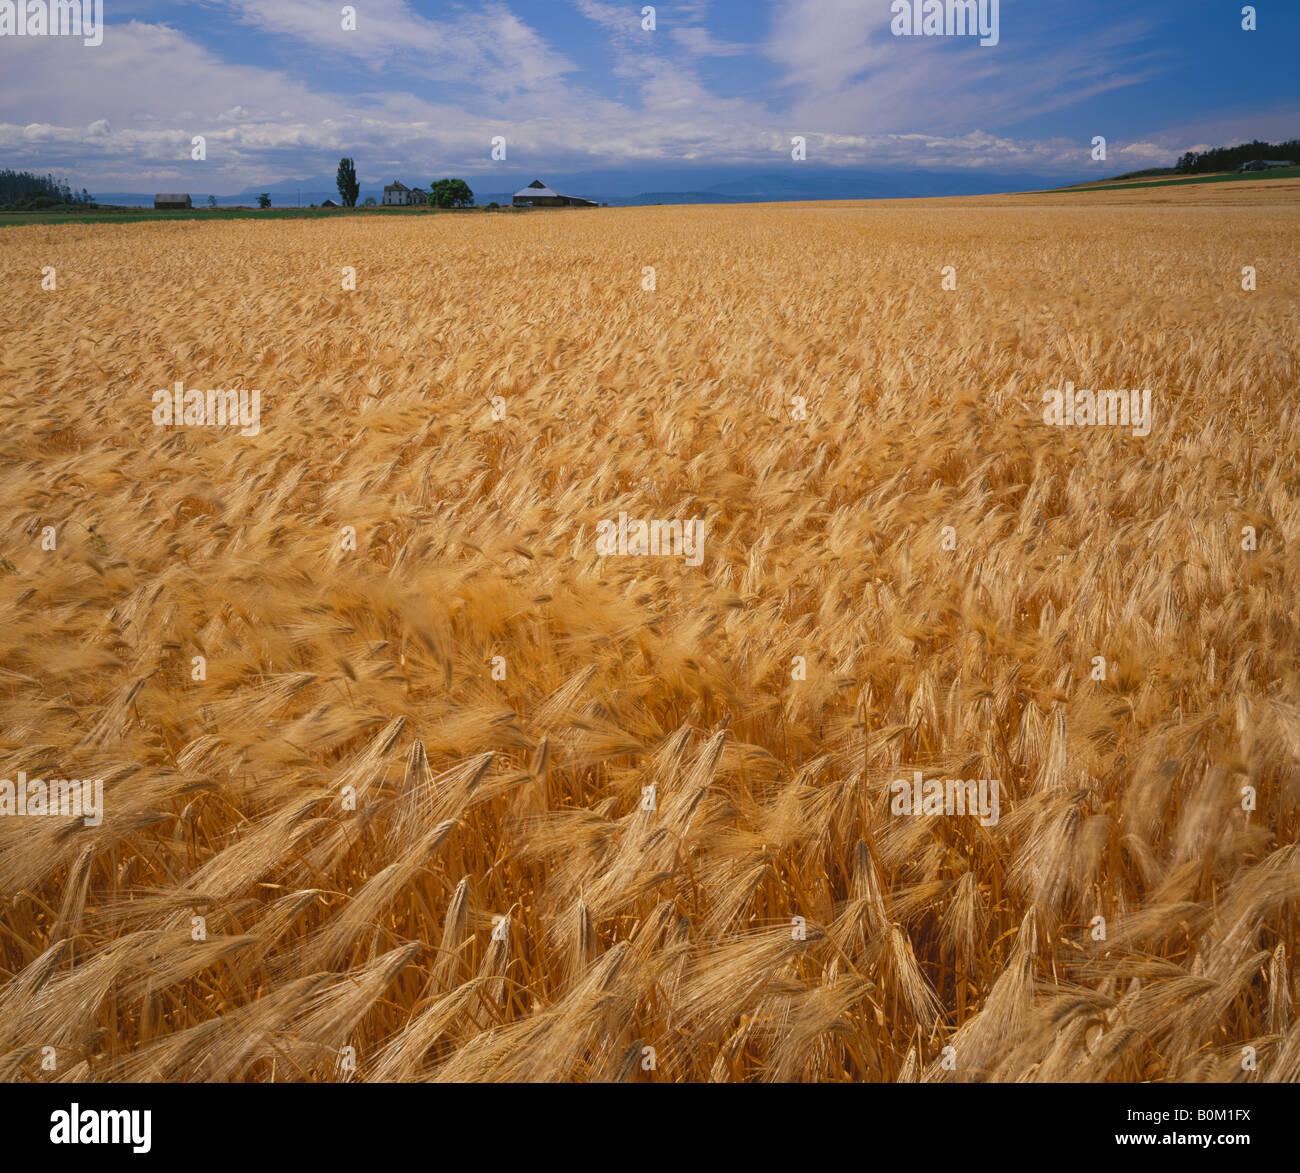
column 862, row 98
column 490, row 45
column 616, row 18
column 842, row 68
column 699, row 42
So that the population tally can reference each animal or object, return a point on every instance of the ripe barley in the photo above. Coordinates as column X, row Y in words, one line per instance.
column 479, row 801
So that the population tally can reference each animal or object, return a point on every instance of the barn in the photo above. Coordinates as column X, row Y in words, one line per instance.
column 538, row 195
column 171, row 201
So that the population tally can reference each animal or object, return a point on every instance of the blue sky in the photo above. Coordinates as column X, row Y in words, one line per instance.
column 280, row 90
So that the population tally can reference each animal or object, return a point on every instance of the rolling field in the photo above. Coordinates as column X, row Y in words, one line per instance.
column 404, row 778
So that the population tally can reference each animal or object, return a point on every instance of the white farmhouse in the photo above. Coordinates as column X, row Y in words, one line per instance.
column 398, row 195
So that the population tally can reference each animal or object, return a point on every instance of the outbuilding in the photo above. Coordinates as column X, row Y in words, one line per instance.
column 171, row 202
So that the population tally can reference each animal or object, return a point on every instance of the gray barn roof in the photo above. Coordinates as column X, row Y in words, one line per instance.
column 172, row 198
column 537, row 189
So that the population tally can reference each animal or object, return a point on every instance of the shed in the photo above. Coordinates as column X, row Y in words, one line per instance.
column 171, row 201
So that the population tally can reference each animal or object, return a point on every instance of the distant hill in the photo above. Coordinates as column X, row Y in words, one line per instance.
column 1231, row 158
column 1149, row 173
column 808, row 185
column 630, row 188
column 868, row 185
column 685, row 197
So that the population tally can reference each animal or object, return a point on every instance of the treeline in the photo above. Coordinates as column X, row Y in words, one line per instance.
column 1230, row 158
column 21, row 191
column 443, row 193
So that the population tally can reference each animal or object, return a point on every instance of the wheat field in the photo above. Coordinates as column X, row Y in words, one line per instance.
column 460, row 798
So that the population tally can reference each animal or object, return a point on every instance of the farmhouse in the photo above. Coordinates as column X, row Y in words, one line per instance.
column 173, row 201
column 538, row 195
column 398, row 195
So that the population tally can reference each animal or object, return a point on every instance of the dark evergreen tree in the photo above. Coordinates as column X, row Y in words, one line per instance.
column 347, row 183
column 23, row 191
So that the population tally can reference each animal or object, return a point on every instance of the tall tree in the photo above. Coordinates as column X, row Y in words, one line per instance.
column 23, row 185
column 347, row 183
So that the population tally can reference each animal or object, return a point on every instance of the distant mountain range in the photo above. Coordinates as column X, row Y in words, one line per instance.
column 621, row 189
